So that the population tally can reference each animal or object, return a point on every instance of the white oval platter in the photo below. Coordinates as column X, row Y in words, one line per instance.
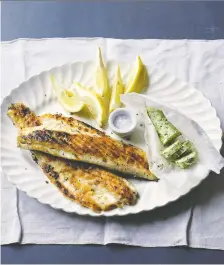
column 38, row 95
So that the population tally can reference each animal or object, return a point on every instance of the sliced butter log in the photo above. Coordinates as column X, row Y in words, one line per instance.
column 90, row 186
column 68, row 138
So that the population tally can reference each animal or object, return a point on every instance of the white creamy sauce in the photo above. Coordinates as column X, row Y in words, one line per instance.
column 122, row 121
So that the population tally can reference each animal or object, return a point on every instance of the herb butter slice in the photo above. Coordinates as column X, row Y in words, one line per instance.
column 187, row 160
column 171, row 150
column 186, row 148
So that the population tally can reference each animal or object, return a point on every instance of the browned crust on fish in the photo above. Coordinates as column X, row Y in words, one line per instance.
column 80, row 182
column 22, row 116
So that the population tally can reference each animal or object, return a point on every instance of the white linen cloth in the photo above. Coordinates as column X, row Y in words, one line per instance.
column 197, row 220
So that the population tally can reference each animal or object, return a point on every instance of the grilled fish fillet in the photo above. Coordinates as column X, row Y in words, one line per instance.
column 71, row 139
column 87, row 185
column 90, row 186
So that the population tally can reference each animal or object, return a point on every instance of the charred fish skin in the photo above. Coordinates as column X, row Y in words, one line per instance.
column 89, row 186
column 68, row 138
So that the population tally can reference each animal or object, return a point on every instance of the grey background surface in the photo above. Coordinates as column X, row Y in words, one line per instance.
column 133, row 19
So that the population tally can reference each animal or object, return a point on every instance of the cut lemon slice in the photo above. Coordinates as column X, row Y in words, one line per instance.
column 93, row 102
column 117, row 90
column 101, row 80
column 138, row 78
column 69, row 100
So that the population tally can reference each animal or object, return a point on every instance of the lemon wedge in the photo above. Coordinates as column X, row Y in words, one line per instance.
column 69, row 100
column 93, row 102
column 101, row 80
column 117, row 90
column 138, row 78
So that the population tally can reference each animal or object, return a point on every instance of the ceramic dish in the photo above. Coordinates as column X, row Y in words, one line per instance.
column 38, row 94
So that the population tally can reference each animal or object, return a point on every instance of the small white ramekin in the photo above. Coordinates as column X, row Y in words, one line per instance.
column 126, row 131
